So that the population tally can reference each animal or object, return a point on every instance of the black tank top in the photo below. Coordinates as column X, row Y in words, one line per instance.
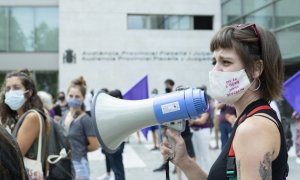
column 279, row 165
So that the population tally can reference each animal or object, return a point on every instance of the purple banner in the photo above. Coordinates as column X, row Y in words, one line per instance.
column 291, row 91
column 137, row 92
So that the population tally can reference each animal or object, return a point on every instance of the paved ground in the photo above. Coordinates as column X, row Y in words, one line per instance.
column 140, row 161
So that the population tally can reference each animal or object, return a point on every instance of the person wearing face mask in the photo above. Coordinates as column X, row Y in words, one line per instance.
column 169, row 85
column 61, row 106
column 247, row 74
column 81, row 133
column 18, row 99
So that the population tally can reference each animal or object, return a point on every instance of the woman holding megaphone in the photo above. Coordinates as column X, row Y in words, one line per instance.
column 248, row 74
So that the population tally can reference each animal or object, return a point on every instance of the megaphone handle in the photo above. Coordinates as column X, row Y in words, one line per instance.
column 177, row 126
column 173, row 144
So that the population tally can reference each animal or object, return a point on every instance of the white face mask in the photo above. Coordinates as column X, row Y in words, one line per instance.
column 14, row 99
column 228, row 87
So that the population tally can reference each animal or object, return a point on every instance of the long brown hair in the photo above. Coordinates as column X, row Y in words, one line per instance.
column 252, row 44
column 8, row 116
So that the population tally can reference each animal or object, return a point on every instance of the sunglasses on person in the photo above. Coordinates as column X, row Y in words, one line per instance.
column 252, row 26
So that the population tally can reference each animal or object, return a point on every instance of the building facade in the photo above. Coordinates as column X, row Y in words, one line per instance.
column 111, row 43
column 114, row 43
column 282, row 17
column 29, row 39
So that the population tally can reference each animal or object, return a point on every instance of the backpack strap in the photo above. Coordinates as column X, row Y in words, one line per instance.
column 231, row 172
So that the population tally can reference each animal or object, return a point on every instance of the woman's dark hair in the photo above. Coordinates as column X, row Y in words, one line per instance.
column 116, row 93
column 79, row 83
column 105, row 90
column 253, row 43
column 8, row 116
column 11, row 161
column 169, row 82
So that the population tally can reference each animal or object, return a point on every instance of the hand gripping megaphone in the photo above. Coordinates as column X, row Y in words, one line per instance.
column 115, row 119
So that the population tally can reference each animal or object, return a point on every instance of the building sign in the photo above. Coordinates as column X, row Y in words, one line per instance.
column 145, row 56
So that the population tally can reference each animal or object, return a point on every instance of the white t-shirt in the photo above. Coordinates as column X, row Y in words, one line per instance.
column 274, row 106
column 88, row 101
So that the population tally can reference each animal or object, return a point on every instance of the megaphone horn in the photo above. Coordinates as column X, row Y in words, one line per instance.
column 115, row 119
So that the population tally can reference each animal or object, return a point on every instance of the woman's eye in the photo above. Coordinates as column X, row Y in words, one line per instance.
column 226, row 63
column 214, row 63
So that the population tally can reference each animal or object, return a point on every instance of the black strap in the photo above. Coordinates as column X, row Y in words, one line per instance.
column 167, row 170
column 273, row 120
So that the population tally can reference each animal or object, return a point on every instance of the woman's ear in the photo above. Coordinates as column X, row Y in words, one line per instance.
column 29, row 93
column 258, row 69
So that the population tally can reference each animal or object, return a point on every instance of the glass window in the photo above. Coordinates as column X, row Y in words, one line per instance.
column 264, row 17
column 136, row 21
column 46, row 29
column 287, row 11
column 185, row 22
column 288, row 41
column 238, row 21
column 2, row 76
column 3, row 29
column 21, row 29
column 172, row 22
column 169, row 22
column 231, row 10
column 47, row 81
column 250, row 5
column 156, row 22
column 203, row 22
column 25, row 29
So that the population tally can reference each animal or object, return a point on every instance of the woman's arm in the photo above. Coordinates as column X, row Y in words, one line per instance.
column 220, row 105
column 89, row 130
column 295, row 116
column 28, row 132
column 230, row 118
column 181, row 159
column 256, row 145
column 93, row 143
column 201, row 120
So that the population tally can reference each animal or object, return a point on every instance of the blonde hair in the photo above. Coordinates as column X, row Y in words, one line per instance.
column 46, row 99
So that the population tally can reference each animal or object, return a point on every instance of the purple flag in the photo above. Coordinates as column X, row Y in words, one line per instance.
column 291, row 91
column 137, row 92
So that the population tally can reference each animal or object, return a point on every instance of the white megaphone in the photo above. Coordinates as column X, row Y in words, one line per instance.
column 115, row 119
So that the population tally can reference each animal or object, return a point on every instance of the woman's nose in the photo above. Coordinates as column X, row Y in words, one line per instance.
column 217, row 67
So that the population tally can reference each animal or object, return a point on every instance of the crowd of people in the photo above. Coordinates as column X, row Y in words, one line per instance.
column 247, row 75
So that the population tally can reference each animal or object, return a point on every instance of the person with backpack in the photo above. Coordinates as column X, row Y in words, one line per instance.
column 247, row 73
column 60, row 165
column 79, row 127
column 22, row 111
